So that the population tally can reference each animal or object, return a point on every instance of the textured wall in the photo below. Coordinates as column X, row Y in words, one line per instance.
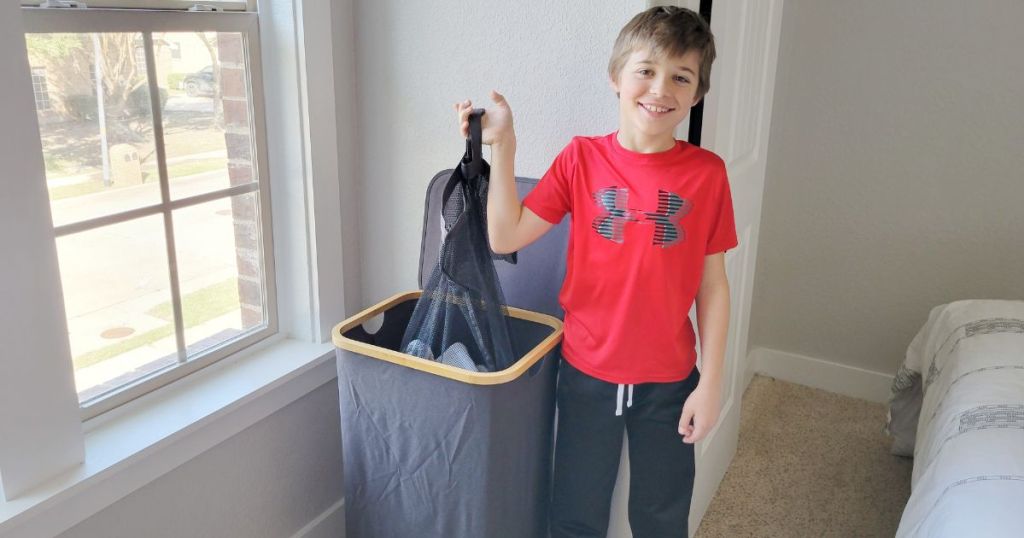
column 268, row 481
column 895, row 174
column 414, row 59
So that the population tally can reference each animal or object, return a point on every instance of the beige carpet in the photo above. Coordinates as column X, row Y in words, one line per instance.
column 809, row 463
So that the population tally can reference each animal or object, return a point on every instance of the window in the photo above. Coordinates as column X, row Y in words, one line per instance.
column 39, row 89
column 158, row 191
column 140, row 59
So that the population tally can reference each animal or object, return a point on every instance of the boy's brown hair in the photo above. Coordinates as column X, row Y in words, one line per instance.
column 669, row 30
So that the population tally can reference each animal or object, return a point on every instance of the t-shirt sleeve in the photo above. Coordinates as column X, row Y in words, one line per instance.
column 551, row 199
column 722, row 234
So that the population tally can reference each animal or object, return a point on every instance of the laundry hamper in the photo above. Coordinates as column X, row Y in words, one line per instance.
column 431, row 450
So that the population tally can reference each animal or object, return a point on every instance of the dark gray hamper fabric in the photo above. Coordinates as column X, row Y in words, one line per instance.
column 429, row 456
column 426, row 456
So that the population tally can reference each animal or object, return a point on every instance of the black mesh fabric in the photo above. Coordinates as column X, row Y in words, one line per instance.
column 462, row 310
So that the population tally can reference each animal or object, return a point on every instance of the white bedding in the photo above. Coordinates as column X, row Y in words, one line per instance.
column 968, row 478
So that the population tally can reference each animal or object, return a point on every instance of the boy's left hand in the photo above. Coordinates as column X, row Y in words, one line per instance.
column 702, row 409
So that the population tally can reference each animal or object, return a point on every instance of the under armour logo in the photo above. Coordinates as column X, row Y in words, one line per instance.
column 615, row 213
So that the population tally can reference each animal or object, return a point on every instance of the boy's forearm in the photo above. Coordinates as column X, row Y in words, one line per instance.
column 503, row 206
column 713, row 325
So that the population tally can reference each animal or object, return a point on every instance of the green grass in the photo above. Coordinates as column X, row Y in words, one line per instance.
column 198, row 307
column 189, row 168
column 184, row 169
column 124, row 346
column 76, row 189
column 175, row 171
column 203, row 304
column 56, row 165
column 173, row 81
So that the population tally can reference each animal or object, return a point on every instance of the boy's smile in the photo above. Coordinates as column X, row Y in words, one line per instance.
column 655, row 95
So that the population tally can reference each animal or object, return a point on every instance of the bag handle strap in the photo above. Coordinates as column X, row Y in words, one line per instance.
column 473, row 160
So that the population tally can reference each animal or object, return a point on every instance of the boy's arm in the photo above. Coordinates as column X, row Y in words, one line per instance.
column 703, row 405
column 510, row 225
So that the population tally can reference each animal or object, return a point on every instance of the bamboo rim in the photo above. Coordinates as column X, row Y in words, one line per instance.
column 444, row 370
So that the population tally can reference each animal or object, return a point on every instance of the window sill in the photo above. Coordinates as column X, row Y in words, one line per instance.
column 140, row 441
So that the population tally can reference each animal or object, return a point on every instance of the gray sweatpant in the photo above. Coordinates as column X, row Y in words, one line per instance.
column 591, row 417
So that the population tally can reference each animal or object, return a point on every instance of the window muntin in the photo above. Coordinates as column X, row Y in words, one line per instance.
column 221, row 277
column 215, row 292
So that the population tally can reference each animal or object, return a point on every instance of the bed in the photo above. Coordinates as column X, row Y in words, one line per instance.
column 958, row 409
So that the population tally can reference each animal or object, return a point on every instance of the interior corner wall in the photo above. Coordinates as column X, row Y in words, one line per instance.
column 415, row 59
column 894, row 179
column 269, row 480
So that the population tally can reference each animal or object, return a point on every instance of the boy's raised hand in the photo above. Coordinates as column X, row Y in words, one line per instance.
column 497, row 122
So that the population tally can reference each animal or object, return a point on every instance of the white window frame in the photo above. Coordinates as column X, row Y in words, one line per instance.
column 55, row 469
column 147, row 22
column 180, row 5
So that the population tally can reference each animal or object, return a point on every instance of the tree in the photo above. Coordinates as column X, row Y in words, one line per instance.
column 71, row 62
column 210, row 42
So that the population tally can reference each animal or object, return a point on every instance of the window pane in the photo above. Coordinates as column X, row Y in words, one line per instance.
column 220, row 270
column 95, row 124
column 206, row 116
column 115, row 281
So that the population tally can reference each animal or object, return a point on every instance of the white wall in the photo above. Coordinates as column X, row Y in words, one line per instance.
column 894, row 178
column 414, row 59
column 269, row 481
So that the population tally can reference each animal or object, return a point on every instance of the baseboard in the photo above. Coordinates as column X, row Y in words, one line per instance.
column 824, row 375
column 329, row 524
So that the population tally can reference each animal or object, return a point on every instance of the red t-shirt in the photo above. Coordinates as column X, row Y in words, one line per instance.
column 641, row 227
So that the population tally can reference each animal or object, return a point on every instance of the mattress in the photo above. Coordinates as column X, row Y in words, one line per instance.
column 958, row 407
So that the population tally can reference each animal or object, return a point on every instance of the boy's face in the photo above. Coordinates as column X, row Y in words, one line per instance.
column 655, row 94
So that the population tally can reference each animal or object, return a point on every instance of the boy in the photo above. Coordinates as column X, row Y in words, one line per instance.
column 651, row 220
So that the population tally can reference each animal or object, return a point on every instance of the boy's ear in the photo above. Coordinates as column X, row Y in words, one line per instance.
column 696, row 99
column 614, row 85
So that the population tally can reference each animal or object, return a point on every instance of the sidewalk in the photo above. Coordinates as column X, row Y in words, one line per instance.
column 126, row 367
column 113, row 279
column 89, row 206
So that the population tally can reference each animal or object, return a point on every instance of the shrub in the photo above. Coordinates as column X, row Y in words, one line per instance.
column 138, row 101
column 80, row 107
column 174, row 80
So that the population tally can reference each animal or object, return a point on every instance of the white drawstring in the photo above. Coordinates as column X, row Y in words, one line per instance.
column 618, row 402
column 618, row 399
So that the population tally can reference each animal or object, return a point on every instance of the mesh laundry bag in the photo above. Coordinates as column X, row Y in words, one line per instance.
column 461, row 317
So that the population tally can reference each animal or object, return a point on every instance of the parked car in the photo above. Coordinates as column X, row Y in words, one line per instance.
column 199, row 83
